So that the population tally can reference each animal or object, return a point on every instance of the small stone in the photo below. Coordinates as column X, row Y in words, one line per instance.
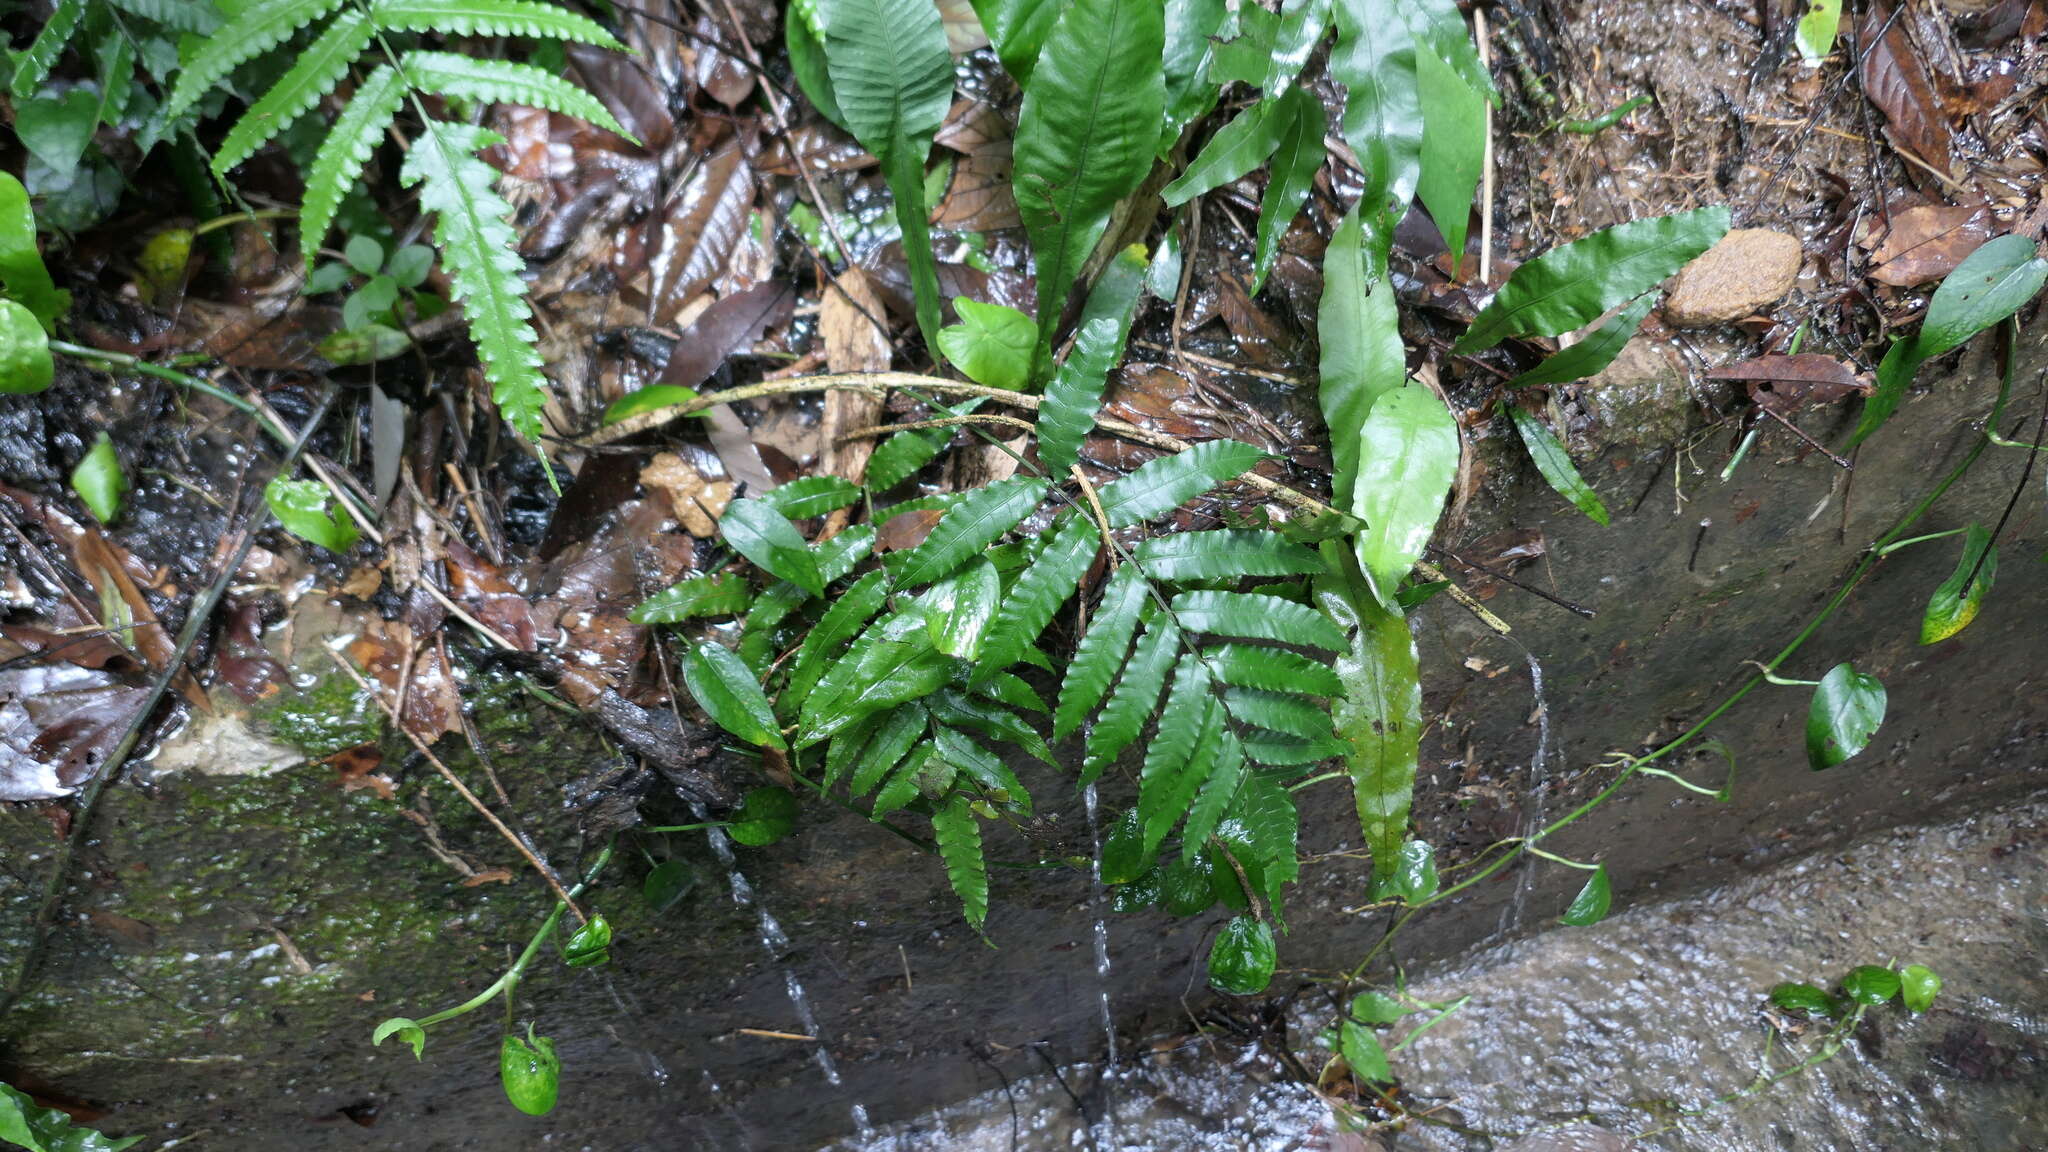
column 1749, row 268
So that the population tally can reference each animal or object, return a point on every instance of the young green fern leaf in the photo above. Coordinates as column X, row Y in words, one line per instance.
column 958, row 832
column 320, row 68
column 341, row 157
column 255, row 30
column 492, row 18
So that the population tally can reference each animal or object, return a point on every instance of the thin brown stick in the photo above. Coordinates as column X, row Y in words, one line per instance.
column 461, row 789
column 941, row 422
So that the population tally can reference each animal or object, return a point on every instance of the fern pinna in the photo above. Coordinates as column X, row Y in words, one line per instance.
column 472, row 222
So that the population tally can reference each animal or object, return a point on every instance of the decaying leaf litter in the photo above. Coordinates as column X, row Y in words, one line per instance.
column 739, row 240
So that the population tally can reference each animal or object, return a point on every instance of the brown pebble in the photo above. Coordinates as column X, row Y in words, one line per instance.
column 1749, row 268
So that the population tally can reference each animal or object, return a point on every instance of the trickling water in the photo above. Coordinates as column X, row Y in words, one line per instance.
column 1101, row 921
column 1539, row 785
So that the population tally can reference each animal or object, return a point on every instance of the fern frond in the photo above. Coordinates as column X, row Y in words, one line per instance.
column 958, row 832
column 1010, row 688
column 1277, row 751
column 711, row 595
column 1040, row 590
column 1075, row 392
column 977, row 715
column 257, row 29
column 473, row 230
column 1279, row 712
column 983, row 766
column 893, row 738
column 1161, row 485
column 837, row 556
column 35, row 62
column 1224, row 553
column 317, row 71
column 503, row 82
column 969, row 525
column 1137, row 693
column 343, row 153
column 195, row 16
column 1255, row 616
column 757, row 629
column 811, row 496
column 1226, row 773
column 1182, row 751
column 881, row 672
column 1100, row 652
column 902, row 787
column 1265, row 810
column 1272, row 669
column 841, row 622
column 491, row 18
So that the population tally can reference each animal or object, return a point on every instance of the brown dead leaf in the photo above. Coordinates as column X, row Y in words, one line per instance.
column 1924, row 243
column 1786, row 384
column 58, row 724
column 727, row 327
column 847, row 316
column 357, row 769
column 489, row 876
column 1897, row 84
column 696, row 502
column 489, row 596
column 242, row 662
column 706, row 220
column 906, row 530
column 724, row 77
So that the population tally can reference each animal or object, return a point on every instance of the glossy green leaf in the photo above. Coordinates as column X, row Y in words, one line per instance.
column 725, row 688
column 1266, row 818
column 25, row 1123
column 1804, row 998
column 880, row 672
column 98, row 480
column 992, row 344
column 1238, row 147
column 1870, row 984
column 492, row 18
column 1379, row 716
column 1918, row 986
column 23, row 275
column 803, row 38
column 1075, row 392
column 1161, row 485
column 717, row 594
column 765, row 815
column 1439, row 26
column 530, row 1072
column 1847, row 708
column 25, row 365
column 408, row 1031
column 811, row 496
column 1085, row 137
column 1363, row 1053
column 1136, row 695
column 1815, row 34
column 32, row 65
column 1219, row 770
column 1590, row 356
column 1270, row 47
column 893, row 78
column 1017, row 30
column 1123, row 851
column 1242, row 958
column 590, row 945
column 1257, row 616
column 302, row 507
column 979, row 714
column 959, row 608
column 974, row 522
column 1591, row 904
column 1415, row 877
column 985, row 768
column 899, row 732
column 652, row 398
column 1188, row 885
column 1222, row 554
column 1362, row 357
column 1279, row 712
column 1181, row 752
column 1037, row 593
column 1953, row 605
column 1989, row 285
column 958, row 832
column 1556, row 464
column 56, row 126
column 666, row 884
column 754, row 529
column 1191, row 26
column 504, row 81
column 1271, row 669
column 1100, row 652
column 1408, row 456
column 1375, row 61
column 1295, row 164
column 1377, row 1008
column 850, row 611
column 1571, row 285
column 1453, row 148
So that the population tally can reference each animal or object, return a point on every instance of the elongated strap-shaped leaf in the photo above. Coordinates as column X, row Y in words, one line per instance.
column 1190, row 25
column 257, row 29
column 1075, row 393
column 1571, row 285
column 811, row 496
column 1038, row 593
column 1379, row 717
column 1226, row 774
column 804, row 38
column 1238, row 147
column 339, row 162
column 1084, row 140
column 504, row 82
column 1181, row 752
column 979, row 519
column 1453, row 148
column 1295, row 164
column 1408, row 456
column 1017, row 30
column 1375, row 61
column 1278, row 712
column 1161, row 485
column 711, row 595
column 850, row 611
column 893, row 78
column 491, row 18
column 1224, row 553
column 958, row 832
column 893, row 738
column 479, row 250
column 1439, row 25
column 1270, row 47
column 33, row 65
column 318, row 70
column 198, row 17
column 1362, row 356
column 982, row 766
column 1271, row 669
column 1101, row 651
column 1136, row 695
column 1255, row 616
column 1593, row 354
column 997, row 723
column 754, row 529
column 959, row 608
column 725, row 688
column 1556, row 464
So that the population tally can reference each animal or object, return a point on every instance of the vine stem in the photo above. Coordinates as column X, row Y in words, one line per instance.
column 183, row 380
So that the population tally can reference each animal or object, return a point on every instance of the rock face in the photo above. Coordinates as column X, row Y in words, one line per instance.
column 1749, row 268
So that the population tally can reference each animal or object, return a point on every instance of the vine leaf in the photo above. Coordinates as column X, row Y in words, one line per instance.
column 1161, row 485
column 1593, row 354
column 893, row 79
column 1408, row 449
column 1556, row 464
column 1362, row 357
column 1085, row 138
column 1847, row 708
column 1591, row 904
column 1379, row 716
column 991, row 345
column 1242, row 958
column 1075, row 393
column 958, row 831
column 23, row 274
column 1953, row 605
column 725, row 688
column 25, row 364
column 1571, row 285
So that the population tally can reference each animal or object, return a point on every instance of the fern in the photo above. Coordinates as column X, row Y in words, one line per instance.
column 1136, row 695
column 33, row 65
column 979, row 519
column 320, row 68
column 958, row 832
column 339, row 162
column 254, row 30
column 1164, row 484
column 1040, row 590
column 1224, row 554
column 1101, row 651
column 1256, row 616
column 491, row 18
column 195, row 16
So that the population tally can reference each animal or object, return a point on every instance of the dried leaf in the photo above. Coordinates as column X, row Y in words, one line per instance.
column 697, row 502
column 1785, row 384
column 1897, row 84
column 704, row 228
column 1925, row 243
column 58, row 725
